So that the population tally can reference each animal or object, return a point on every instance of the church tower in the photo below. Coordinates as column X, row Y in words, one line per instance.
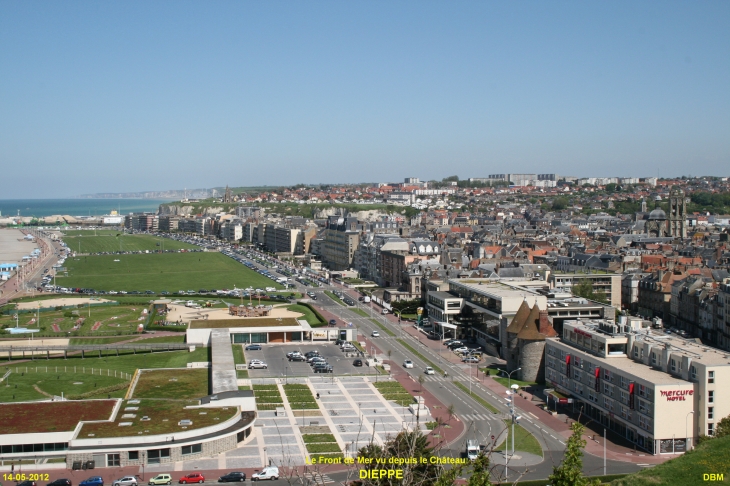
column 677, row 214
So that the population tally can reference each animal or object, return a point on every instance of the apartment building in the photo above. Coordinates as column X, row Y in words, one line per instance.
column 608, row 284
column 141, row 222
column 656, row 390
column 341, row 239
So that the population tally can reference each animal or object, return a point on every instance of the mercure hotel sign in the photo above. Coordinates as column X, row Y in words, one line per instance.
column 676, row 395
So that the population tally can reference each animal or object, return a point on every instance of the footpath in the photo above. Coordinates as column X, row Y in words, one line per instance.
column 528, row 403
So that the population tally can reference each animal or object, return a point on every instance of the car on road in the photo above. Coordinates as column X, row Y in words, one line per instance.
column 253, row 347
column 333, row 322
column 60, row 482
column 160, row 479
column 429, row 371
column 357, row 362
column 125, row 481
column 92, row 481
column 470, row 359
column 257, row 365
column 375, row 334
column 408, row 363
column 271, row 473
column 232, row 477
column 192, row 478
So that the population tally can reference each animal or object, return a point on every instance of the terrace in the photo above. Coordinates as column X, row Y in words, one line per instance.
column 46, row 417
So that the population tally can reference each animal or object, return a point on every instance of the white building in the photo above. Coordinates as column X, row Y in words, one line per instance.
column 655, row 390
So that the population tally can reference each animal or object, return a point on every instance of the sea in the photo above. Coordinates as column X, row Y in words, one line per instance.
column 77, row 207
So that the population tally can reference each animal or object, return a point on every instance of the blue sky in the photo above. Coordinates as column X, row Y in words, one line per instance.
column 131, row 96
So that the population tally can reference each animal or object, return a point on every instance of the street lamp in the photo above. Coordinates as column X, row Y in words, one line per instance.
column 686, row 433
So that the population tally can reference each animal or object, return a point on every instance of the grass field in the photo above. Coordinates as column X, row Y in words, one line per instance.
column 28, row 384
column 711, row 457
column 164, row 416
column 157, row 272
column 394, row 391
column 115, row 320
column 99, row 241
column 178, row 384
column 126, row 361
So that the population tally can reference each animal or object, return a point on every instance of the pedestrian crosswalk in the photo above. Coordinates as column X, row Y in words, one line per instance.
column 473, row 417
column 317, row 478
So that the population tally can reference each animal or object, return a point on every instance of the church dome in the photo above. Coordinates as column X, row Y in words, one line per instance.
column 657, row 214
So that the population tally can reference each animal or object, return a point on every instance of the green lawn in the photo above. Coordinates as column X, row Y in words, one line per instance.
column 300, row 397
column 164, row 418
column 318, row 438
column 157, row 272
column 107, row 340
column 90, row 241
column 267, row 397
column 711, row 457
column 332, row 296
column 394, row 391
column 524, row 441
column 29, row 384
column 128, row 362
column 327, row 447
column 381, row 326
column 177, row 384
column 114, row 319
column 309, row 315
column 359, row 312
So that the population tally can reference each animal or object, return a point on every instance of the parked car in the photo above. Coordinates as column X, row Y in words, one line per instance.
column 253, row 347
column 375, row 334
column 324, row 369
column 26, row 483
column 408, row 363
column 429, row 371
column 333, row 322
column 297, row 357
column 126, row 481
column 470, row 359
column 357, row 362
column 232, row 477
column 259, row 365
column 271, row 473
column 161, row 479
column 60, row 482
column 462, row 349
column 292, row 353
column 192, row 478
column 92, row 481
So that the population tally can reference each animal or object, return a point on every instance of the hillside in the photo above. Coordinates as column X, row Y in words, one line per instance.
column 712, row 457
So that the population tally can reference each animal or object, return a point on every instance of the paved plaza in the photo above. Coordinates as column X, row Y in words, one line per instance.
column 350, row 408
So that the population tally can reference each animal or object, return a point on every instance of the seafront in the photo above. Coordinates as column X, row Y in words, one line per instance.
column 13, row 247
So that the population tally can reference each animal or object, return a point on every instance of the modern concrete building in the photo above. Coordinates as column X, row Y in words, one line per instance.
column 655, row 390
column 609, row 284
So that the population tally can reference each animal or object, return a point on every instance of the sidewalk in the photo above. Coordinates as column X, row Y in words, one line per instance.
column 438, row 410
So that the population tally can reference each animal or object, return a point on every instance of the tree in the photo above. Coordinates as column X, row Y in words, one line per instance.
column 723, row 427
column 407, row 444
column 570, row 471
column 421, row 379
column 559, row 203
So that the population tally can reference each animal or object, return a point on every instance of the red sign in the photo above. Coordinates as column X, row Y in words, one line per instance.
column 676, row 395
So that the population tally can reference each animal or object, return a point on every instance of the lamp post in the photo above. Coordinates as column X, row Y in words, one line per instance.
column 686, row 433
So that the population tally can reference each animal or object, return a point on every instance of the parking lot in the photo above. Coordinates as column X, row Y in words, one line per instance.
column 274, row 355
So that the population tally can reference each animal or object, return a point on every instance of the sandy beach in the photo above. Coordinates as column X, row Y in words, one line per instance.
column 178, row 312
column 61, row 301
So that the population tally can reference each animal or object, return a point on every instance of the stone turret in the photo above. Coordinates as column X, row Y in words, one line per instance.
column 511, row 354
column 531, row 344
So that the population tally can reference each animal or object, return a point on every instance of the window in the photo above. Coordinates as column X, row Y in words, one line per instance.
column 154, row 456
column 636, row 351
column 606, row 389
column 693, row 373
column 624, row 397
column 606, row 375
column 710, row 429
column 112, row 460
column 710, row 397
column 674, row 366
column 644, row 423
column 192, row 449
column 642, row 353
column 710, row 377
column 710, row 413
column 607, row 404
column 133, row 455
column 623, row 382
column 576, row 375
column 653, row 359
column 592, row 396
